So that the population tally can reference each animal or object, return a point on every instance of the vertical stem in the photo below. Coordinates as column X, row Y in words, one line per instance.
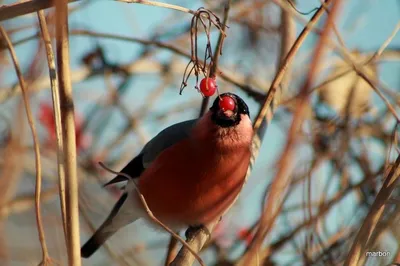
column 38, row 188
column 374, row 215
column 172, row 250
column 281, row 180
column 68, row 132
column 288, row 37
column 57, row 116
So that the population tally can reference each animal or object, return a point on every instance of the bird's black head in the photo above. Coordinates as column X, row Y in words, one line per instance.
column 228, row 118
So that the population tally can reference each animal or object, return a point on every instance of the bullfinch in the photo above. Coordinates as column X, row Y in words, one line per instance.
column 189, row 174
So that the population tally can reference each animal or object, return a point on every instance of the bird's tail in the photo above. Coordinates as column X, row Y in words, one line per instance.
column 121, row 215
column 99, row 237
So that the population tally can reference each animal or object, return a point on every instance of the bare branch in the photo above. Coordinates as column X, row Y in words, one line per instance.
column 68, row 133
column 38, row 189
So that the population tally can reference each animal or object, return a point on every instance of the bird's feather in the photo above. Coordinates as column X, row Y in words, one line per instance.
column 104, row 232
column 189, row 174
column 134, row 168
column 124, row 212
column 165, row 139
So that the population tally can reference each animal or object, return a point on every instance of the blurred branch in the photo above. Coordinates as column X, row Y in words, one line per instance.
column 12, row 168
column 23, row 8
column 24, row 203
column 171, row 251
column 323, row 210
column 84, row 73
column 160, row 4
column 361, row 72
column 288, row 60
column 229, row 76
column 288, row 37
column 282, row 177
column 19, row 9
column 57, row 116
column 68, row 133
column 362, row 239
column 38, row 188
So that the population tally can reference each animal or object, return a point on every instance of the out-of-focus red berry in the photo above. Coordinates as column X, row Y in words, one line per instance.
column 245, row 235
column 46, row 117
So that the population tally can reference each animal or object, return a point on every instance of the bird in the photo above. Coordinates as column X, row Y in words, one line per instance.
column 189, row 174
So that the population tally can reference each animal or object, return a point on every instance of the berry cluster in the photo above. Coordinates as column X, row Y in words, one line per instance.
column 208, row 86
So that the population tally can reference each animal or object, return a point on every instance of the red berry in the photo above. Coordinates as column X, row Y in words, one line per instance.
column 208, row 86
column 227, row 103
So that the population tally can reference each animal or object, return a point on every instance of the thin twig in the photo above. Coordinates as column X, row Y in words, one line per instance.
column 360, row 70
column 23, row 8
column 282, row 177
column 374, row 215
column 25, row 202
column 288, row 37
column 38, row 188
column 151, row 215
column 160, row 4
column 386, row 43
column 57, row 116
column 288, row 60
column 68, row 133
column 218, row 52
column 225, row 74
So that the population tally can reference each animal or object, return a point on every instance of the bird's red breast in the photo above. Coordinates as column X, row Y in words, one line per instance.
column 177, row 193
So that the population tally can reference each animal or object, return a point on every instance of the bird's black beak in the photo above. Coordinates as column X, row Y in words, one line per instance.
column 226, row 118
column 228, row 114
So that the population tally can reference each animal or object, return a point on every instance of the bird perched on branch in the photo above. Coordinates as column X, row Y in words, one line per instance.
column 189, row 174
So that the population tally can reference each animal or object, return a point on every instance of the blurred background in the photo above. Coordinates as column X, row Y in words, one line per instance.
column 127, row 67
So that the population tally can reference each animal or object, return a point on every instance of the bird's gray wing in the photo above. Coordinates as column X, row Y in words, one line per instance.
column 153, row 148
column 166, row 139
